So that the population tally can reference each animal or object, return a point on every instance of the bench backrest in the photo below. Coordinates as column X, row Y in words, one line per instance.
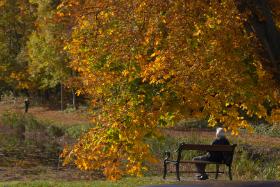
column 227, row 150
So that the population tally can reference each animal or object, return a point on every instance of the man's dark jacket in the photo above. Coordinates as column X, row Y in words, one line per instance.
column 215, row 156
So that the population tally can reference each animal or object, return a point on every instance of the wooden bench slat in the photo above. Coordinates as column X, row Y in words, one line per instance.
column 220, row 172
column 200, row 162
column 193, row 162
column 223, row 148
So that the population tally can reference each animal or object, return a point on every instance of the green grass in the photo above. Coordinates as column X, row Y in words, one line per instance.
column 125, row 182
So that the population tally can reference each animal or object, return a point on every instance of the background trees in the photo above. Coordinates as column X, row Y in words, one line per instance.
column 16, row 24
column 48, row 63
column 32, row 58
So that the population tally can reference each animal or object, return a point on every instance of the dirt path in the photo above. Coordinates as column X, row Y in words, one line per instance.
column 44, row 113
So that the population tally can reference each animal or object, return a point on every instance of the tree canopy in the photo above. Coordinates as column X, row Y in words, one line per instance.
column 148, row 63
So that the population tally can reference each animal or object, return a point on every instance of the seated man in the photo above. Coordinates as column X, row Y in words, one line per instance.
column 211, row 156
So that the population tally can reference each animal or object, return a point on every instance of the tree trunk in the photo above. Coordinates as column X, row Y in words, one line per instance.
column 61, row 96
column 74, row 99
column 262, row 24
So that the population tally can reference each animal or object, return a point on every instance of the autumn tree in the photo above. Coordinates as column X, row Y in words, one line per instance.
column 16, row 24
column 147, row 64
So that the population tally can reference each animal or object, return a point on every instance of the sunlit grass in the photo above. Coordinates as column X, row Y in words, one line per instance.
column 125, row 182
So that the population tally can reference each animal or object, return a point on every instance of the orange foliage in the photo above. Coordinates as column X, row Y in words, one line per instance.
column 145, row 62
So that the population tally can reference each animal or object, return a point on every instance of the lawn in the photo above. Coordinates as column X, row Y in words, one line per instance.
column 125, row 182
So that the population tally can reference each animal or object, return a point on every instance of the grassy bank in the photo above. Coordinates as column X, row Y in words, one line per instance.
column 125, row 182
column 253, row 160
column 29, row 123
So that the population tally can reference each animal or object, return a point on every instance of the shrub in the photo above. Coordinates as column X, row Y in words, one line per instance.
column 191, row 124
column 70, row 108
column 55, row 131
column 266, row 129
column 13, row 120
column 75, row 131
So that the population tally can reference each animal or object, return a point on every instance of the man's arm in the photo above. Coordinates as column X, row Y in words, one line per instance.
column 215, row 142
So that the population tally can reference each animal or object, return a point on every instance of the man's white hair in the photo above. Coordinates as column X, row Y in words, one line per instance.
column 220, row 132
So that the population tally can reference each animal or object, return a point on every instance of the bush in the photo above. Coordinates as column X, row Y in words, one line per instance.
column 13, row 120
column 29, row 123
column 191, row 124
column 266, row 129
column 55, row 131
column 32, row 124
column 19, row 120
column 245, row 168
column 271, row 170
column 70, row 108
column 75, row 131
column 7, row 97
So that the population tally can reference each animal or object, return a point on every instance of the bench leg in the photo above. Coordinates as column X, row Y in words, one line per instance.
column 229, row 173
column 164, row 169
column 177, row 172
column 217, row 171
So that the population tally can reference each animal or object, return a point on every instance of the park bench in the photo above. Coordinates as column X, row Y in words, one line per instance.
column 227, row 150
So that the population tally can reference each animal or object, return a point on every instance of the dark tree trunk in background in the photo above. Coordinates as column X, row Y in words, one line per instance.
column 73, row 90
column 47, row 95
column 74, row 99
column 61, row 96
column 262, row 24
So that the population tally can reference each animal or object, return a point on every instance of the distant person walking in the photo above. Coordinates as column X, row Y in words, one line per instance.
column 26, row 105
